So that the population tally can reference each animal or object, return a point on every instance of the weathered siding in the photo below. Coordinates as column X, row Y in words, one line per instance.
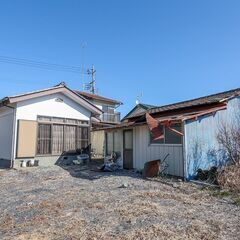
column 143, row 152
column 97, row 142
column 201, row 147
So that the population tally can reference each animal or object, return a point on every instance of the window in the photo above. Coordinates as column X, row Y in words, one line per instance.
column 82, row 137
column 160, row 141
column 70, row 121
column 59, row 120
column 170, row 137
column 113, row 143
column 69, row 138
column 109, row 144
column 108, row 109
column 44, row 139
column 44, row 118
column 56, row 137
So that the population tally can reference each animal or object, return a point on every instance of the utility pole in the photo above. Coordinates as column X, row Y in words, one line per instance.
column 92, row 85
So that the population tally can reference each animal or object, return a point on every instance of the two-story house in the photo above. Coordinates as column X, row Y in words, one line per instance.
column 109, row 117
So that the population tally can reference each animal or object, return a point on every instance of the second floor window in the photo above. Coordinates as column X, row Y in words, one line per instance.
column 108, row 109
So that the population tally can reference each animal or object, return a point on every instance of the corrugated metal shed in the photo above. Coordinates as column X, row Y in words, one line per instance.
column 201, row 147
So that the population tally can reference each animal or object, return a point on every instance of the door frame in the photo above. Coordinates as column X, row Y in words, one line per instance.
column 127, row 130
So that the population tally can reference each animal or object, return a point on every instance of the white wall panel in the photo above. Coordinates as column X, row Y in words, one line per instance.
column 144, row 152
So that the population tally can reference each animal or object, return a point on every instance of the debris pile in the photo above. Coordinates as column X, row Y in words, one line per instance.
column 112, row 163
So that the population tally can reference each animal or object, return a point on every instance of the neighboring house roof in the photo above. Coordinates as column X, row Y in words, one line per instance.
column 61, row 88
column 206, row 100
column 135, row 111
column 91, row 96
column 146, row 106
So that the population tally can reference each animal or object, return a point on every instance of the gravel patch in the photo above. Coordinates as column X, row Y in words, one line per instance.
column 77, row 203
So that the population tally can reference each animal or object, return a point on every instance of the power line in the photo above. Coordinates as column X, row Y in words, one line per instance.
column 39, row 64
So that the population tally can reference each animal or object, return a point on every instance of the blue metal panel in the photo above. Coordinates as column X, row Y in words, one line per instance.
column 201, row 147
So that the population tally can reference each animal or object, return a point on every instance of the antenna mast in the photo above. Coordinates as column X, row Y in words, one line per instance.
column 83, row 46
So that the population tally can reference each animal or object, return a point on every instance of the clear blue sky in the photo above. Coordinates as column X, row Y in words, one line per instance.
column 170, row 50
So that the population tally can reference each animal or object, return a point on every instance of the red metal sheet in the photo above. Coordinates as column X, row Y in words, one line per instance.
column 154, row 127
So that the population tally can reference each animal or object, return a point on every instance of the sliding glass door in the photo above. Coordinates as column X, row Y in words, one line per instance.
column 56, row 138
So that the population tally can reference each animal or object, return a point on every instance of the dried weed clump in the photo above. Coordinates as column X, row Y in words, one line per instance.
column 230, row 178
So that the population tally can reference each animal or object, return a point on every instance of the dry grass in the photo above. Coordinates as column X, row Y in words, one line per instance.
column 230, row 178
column 51, row 204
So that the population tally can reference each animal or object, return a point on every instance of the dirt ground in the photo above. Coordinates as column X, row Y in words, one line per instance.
column 77, row 203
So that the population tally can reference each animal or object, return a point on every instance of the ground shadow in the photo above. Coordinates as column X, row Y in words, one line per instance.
column 91, row 170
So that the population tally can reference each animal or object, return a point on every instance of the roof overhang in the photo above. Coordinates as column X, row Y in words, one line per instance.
column 58, row 89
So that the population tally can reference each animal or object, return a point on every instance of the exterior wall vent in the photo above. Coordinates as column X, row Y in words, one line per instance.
column 59, row 100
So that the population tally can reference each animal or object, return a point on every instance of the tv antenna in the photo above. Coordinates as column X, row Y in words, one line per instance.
column 138, row 98
column 83, row 47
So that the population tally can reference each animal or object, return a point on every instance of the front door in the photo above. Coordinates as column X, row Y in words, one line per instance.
column 128, row 149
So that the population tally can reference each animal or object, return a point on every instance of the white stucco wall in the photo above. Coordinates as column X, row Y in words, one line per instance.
column 6, row 131
column 48, row 106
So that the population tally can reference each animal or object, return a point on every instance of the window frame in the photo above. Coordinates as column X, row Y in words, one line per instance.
column 78, row 124
column 114, row 133
column 152, row 143
column 44, row 154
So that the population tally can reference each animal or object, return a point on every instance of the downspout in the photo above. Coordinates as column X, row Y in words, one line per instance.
column 13, row 134
column 89, row 137
column 184, row 152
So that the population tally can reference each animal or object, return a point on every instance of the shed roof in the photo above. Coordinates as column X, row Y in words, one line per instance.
column 206, row 100
column 191, row 114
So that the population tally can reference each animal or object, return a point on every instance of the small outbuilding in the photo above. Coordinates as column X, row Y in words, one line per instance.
column 185, row 131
